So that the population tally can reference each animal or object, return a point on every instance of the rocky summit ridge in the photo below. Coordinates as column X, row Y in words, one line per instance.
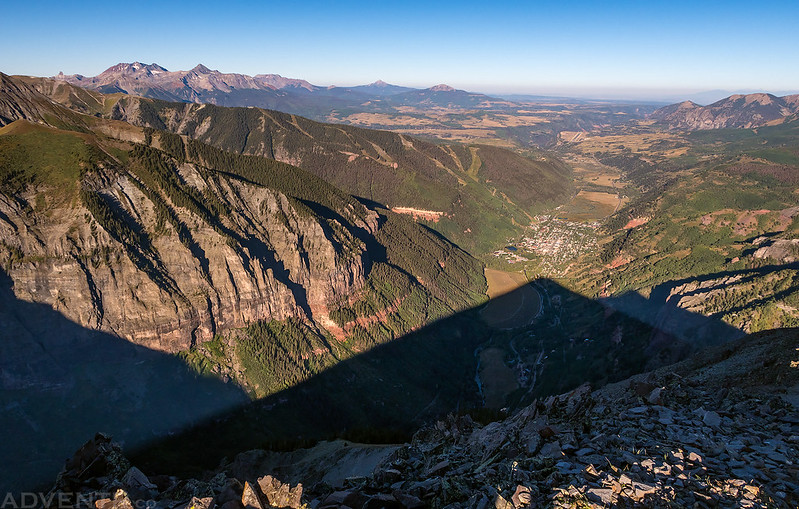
column 205, row 86
column 718, row 430
column 199, row 84
column 736, row 111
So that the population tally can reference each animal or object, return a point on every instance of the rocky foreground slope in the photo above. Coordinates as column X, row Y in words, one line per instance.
column 719, row 430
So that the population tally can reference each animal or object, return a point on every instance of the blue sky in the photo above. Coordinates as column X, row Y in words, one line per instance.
column 577, row 47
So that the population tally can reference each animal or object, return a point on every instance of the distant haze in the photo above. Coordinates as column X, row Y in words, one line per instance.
column 702, row 97
column 623, row 50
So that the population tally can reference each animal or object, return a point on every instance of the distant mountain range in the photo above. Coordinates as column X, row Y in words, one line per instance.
column 203, row 85
column 736, row 111
column 298, row 96
column 153, row 80
column 380, row 88
column 396, row 170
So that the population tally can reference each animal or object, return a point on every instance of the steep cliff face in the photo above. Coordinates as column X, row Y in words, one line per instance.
column 163, row 275
column 167, row 241
column 476, row 189
column 19, row 101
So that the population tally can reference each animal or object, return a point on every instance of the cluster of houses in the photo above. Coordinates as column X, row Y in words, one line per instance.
column 555, row 240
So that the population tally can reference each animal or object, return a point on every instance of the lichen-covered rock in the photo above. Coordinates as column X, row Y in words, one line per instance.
column 250, row 498
column 97, row 458
column 278, row 494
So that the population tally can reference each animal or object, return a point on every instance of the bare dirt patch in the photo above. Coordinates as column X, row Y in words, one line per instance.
column 638, row 221
column 747, row 221
column 427, row 215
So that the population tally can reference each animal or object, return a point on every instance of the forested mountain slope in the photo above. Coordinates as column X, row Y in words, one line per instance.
column 477, row 195
column 713, row 227
column 169, row 244
column 115, row 237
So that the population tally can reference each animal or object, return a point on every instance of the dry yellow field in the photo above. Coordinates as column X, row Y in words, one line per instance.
column 513, row 303
column 600, row 189
column 590, row 171
column 501, row 282
column 483, row 136
column 369, row 119
column 591, row 206
column 602, row 180
column 643, row 143
column 504, row 121
column 606, row 199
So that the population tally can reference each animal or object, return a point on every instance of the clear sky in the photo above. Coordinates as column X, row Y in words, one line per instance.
column 564, row 47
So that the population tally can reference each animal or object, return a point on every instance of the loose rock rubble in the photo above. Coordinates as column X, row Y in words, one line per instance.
column 592, row 451
column 717, row 432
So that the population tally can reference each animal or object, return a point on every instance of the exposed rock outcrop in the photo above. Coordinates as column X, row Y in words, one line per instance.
column 388, row 168
column 18, row 101
column 200, row 84
column 781, row 250
column 263, row 260
column 158, row 250
column 736, row 111
column 708, row 432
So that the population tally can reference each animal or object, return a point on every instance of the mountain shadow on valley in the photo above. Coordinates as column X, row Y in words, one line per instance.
column 62, row 382
column 663, row 311
column 384, row 394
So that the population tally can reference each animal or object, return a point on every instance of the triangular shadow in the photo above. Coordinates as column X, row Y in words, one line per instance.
column 63, row 382
column 384, row 394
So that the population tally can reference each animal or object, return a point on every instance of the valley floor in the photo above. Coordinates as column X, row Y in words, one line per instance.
column 509, row 309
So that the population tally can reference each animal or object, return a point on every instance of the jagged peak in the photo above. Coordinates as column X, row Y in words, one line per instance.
column 278, row 81
column 761, row 98
column 379, row 83
column 442, row 88
column 791, row 99
column 66, row 77
column 201, row 69
column 132, row 67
